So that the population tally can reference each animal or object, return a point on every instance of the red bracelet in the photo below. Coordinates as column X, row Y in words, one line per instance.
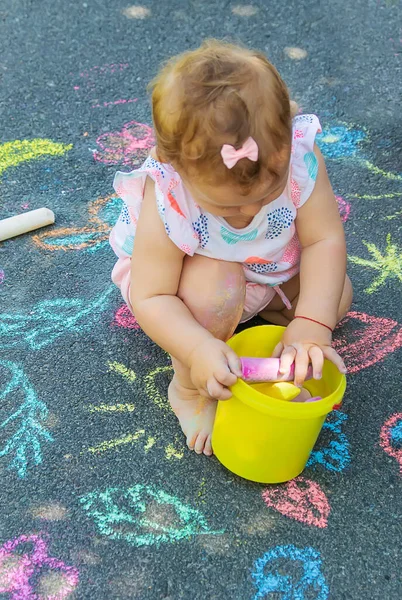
column 314, row 321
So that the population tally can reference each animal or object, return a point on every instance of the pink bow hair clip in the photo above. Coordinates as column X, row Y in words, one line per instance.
column 230, row 155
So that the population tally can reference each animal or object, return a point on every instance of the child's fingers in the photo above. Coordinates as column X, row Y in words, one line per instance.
column 277, row 350
column 218, row 391
column 234, row 362
column 301, row 366
column 224, row 376
column 334, row 357
column 317, row 361
column 287, row 359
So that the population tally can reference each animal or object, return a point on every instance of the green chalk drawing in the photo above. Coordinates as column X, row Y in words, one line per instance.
column 19, row 151
column 389, row 264
column 50, row 319
column 142, row 515
column 25, row 443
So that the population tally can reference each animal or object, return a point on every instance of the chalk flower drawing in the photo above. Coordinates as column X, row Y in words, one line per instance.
column 103, row 213
column 335, row 455
column 389, row 264
column 130, row 146
column 271, row 577
column 143, row 515
column 22, row 571
column 340, row 141
column 391, row 438
column 50, row 319
column 19, row 151
column 300, row 499
column 24, row 444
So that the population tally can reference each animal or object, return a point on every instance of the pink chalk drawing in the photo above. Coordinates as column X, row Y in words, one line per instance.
column 372, row 340
column 89, row 76
column 391, row 438
column 130, row 146
column 19, row 570
column 300, row 499
column 2, row 276
column 124, row 318
column 114, row 102
column 344, row 208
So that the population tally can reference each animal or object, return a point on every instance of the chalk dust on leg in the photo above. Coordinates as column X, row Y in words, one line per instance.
column 196, row 416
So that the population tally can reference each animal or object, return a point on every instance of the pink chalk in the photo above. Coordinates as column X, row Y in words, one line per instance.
column 266, row 369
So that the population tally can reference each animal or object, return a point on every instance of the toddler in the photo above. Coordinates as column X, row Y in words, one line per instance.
column 231, row 215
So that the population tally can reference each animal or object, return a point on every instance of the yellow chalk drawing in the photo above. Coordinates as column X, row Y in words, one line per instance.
column 115, row 443
column 394, row 216
column 111, row 408
column 370, row 197
column 378, row 171
column 150, row 442
column 122, row 370
column 171, row 452
column 389, row 264
column 151, row 388
column 19, row 151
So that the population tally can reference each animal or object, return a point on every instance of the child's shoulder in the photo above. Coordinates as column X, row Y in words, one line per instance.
column 303, row 161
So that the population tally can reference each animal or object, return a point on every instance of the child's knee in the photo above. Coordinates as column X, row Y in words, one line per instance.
column 214, row 291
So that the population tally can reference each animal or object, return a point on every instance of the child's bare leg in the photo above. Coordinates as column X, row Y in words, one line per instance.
column 278, row 314
column 214, row 292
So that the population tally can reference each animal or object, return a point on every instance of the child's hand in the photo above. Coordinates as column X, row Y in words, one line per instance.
column 213, row 366
column 303, row 343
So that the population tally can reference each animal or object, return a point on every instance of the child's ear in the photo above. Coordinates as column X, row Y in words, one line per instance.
column 294, row 108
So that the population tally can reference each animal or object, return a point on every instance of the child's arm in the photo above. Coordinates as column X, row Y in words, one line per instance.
column 322, row 279
column 156, row 267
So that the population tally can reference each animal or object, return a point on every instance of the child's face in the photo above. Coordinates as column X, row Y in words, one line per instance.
column 226, row 201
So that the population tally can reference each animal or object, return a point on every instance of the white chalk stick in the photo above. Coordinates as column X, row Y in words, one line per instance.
column 25, row 222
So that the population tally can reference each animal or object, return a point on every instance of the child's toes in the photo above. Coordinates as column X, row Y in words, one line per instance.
column 200, row 442
column 191, row 440
column 208, row 447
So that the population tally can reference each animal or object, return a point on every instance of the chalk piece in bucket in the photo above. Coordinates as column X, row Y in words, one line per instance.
column 25, row 222
column 266, row 369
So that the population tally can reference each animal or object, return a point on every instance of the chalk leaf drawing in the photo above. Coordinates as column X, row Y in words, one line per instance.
column 372, row 340
column 23, row 572
column 143, row 515
column 23, row 445
column 19, row 151
column 300, row 499
column 278, row 572
column 391, row 438
column 334, row 455
column 389, row 264
column 130, row 146
column 51, row 319
column 103, row 213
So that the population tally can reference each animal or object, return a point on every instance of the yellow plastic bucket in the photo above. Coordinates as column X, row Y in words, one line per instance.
column 267, row 439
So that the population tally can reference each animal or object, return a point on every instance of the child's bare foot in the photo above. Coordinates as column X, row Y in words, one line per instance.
column 196, row 416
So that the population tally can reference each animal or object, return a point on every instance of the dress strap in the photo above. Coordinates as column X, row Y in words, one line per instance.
column 283, row 297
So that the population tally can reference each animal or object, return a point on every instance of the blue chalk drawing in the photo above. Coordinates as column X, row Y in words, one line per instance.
column 335, row 455
column 270, row 574
column 396, row 433
column 340, row 141
column 25, row 443
column 50, row 319
column 143, row 515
